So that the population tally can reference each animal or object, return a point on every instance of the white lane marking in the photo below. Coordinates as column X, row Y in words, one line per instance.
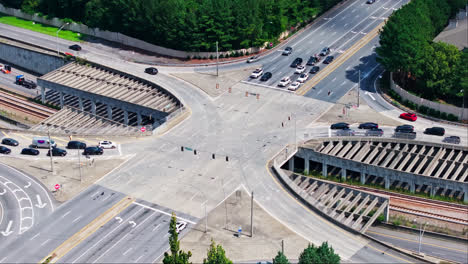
column 343, row 83
column 370, row 95
column 1, row 210
column 139, row 258
column 7, row 231
column 76, row 219
column 3, row 192
column 162, row 212
column 27, row 185
column 45, row 242
column 65, row 214
column 94, row 194
column 34, row 236
column 329, row 132
column 156, row 227
column 334, row 79
column 27, row 198
column 321, row 42
column 191, row 199
column 333, row 33
column 95, row 244
column 226, row 183
column 126, row 251
column 40, row 204
column 132, row 223
column 166, row 235
column 119, row 219
column 345, row 24
column 120, row 150
column 3, row 259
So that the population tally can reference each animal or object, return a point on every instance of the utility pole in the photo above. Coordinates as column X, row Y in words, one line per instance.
column 50, row 151
column 282, row 246
column 251, row 215
column 58, row 52
column 206, row 220
column 359, row 88
column 217, row 58
column 79, row 164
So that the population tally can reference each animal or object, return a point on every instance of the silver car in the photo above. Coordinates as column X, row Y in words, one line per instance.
column 253, row 59
column 345, row 132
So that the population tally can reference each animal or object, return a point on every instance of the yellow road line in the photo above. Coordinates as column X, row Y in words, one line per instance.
column 24, row 137
column 59, row 139
column 429, row 244
column 340, row 60
column 327, row 222
column 88, row 230
column 6, row 135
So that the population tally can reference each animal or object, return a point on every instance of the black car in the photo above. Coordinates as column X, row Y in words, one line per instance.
column 266, row 76
column 328, row 59
column 325, row 51
column 57, row 152
column 297, row 61
column 30, row 151
column 314, row 69
column 404, row 128
column 368, row 125
column 374, row 132
column 370, row 2
column 340, row 126
column 438, row 131
column 151, row 70
column 93, row 151
column 4, row 150
column 287, row 51
column 76, row 145
column 75, row 47
column 312, row 60
column 452, row 139
column 10, row 142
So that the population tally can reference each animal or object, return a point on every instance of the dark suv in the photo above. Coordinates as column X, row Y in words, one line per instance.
column 151, row 70
column 438, row 131
column 312, row 60
column 340, row 126
column 93, row 151
column 9, row 142
column 76, row 145
column 368, row 125
column 404, row 128
column 57, row 152
column 266, row 76
column 297, row 61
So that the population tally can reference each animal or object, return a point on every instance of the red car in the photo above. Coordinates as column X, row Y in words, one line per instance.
column 409, row 116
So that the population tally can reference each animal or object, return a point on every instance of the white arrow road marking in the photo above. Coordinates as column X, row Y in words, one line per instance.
column 39, row 202
column 370, row 95
column 3, row 192
column 343, row 83
column 118, row 219
column 27, row 185
column 132, row 223
column 7, row 231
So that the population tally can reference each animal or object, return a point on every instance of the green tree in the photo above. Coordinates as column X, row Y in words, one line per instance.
column 322, row 254
column 177, row 255
column 280, row 259
column 216, row 255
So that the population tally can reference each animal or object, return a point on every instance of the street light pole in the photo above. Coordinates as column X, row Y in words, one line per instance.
column 359, row 88
column 50, row 150
column 421, row 234
column 58, row 52
column 463, row 104
column 79, row 164
column 217, row 58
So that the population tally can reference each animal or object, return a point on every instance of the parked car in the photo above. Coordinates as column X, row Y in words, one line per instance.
column 303, row 77
column 180, row 225
column 75, row 47
column 294, row 86
column 374, row 132
column 339, row 125
column 43, row 142
column 253, row 59
column 408, row 116
column 30, row 151
column 76, row 145
column 151, row 70
column 4, row 150
column 345, row 132
column 407, row 135
column 265, row 77
column 368, row 125
column 404, row 128
column 296, row 62
column 257, row 73
column 328, row 60
column 300, row 69
column 438, row 131
column 57, row 152
column 284, row 82
column 93, row 151
column 325, row 51
column 314, row 69
column 106, row 144
column 287, row 51
column 10, row 142
column 313, row 59
column 452, row 139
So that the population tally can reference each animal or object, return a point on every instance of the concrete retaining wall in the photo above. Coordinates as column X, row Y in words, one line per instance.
column 449, row 109
column 30, row 60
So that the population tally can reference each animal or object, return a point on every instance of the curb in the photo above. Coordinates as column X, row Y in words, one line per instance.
column 430, row 233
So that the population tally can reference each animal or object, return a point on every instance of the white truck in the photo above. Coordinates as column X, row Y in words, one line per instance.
column 43, row 142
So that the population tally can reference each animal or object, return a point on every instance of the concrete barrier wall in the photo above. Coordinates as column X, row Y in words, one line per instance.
column 29, row 59
column 449, row 109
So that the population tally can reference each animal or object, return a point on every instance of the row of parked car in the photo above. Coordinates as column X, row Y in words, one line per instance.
column 43, row 142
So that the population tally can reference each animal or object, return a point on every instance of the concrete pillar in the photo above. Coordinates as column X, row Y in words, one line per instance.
column 80, row 103
column 109, row 112
column 125, row 117
column 291, row 164
column 412, row 187
column 93, row 107
column 343, row 174
column 387, row 182
column 43, row 95
column 433, row 190
column 363, row 178
column 465, row 196
column 139, row 119
column 61, row 99
column 324, row 169
column 306, row 165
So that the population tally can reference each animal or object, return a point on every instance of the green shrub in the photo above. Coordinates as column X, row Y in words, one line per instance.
column 437, row 113
column 381, row 218
column 211, row 56
column 188, row 57
column 443, row 115
column 423, row 109
column 397, row 222
column 247, row 53
column 452, row 117
column 221, row 56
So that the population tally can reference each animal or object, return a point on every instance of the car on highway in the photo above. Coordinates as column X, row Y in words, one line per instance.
column 57, row 152
column 300, row 69
column 328, row 60
column 370, row 2
column 21, row 80
column 404, row 128
column 5, row 69
column 406, row 135
column 452, row 139
column 340, row 125
column 313, row 59
column 437, row 131
column 287, row 51
column 257, row 73
column 151, row 70
column 75, row 47
column 294, row 86
column 296, row 62
column 93, row 151
column 368, row 125
column 180, row 225
column 10, row 142
column 30, row 151
column 374, row 132
column 265, row 77
column 325, row 51
column 4, row 150
column 303, row 77
column 76, row 145
column 106, row 144
column 253, row 59
column 408, row 116
column 345, row 132
column 284, row 82
column 314, row 69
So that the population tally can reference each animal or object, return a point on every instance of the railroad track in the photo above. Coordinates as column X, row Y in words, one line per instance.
column 23, row 105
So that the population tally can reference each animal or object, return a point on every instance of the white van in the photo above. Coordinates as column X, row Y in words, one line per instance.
column 43, row 142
